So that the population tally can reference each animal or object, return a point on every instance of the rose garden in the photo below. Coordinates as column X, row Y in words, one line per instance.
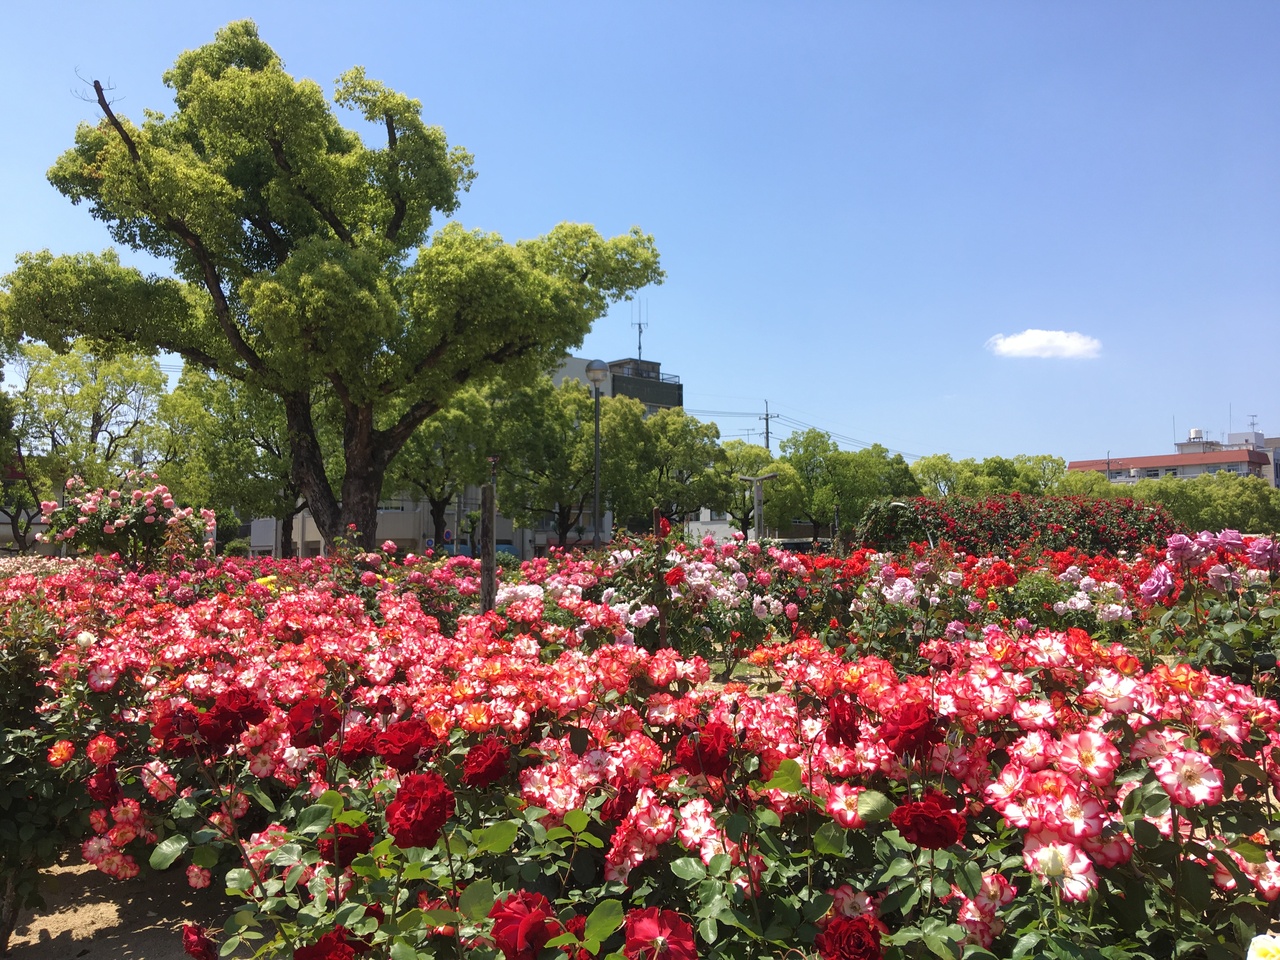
column 667, row 749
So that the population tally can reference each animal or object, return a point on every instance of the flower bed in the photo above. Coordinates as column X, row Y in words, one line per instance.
column 679, row 751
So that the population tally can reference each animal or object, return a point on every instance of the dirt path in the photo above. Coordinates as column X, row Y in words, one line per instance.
column 97, row 918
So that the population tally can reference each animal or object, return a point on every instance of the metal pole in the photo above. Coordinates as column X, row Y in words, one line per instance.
column 488, row 558
column 595, row 514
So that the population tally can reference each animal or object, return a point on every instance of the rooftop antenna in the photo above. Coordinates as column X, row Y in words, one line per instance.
column 640, row 326
column 1253, row 423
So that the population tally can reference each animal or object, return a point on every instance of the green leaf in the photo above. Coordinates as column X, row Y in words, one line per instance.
column 604, row 920
column 401, row 950
column 477, row 900
column 168, row 850
column 689, row 868
column 1250, row 851
column 579, row 740
column 1026, row 943
column 314, row 819
column 204, row 856
column 873, row 806
column 786, row 778
column 577, row 820
column 941, row 948
column 499, row 837
column 969, row 879
column 831, row 839
column 708, row 930
column 260, row 795
column 1196, row 886
column 239, row 879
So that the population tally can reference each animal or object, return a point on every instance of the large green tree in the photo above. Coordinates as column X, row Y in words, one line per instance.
column 78, row 414
column 813, row 455
column 304, row 261
column 743, row 459
column 677, row 470
column 546, row 438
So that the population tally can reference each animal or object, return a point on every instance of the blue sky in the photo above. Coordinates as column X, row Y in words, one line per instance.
column 861, row 207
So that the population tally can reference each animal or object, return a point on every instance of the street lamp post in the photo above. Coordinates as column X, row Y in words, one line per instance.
column 597, row 370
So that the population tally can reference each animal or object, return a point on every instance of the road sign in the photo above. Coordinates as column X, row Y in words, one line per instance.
column 448, row 535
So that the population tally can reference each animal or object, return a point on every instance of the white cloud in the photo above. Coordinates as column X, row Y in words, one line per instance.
column 1066, row 344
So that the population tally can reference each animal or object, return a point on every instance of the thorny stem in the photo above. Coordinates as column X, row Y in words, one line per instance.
column 218, row 794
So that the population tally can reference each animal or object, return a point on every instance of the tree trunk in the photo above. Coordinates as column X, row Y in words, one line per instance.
column 563, row 525
column 286, row 531
column 438, row 510
column 307, row 469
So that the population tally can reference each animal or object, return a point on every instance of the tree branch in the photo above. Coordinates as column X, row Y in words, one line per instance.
column 115, row 122
column 329, row 217
column 177, row 226
column 279, row 246
column 399, row 207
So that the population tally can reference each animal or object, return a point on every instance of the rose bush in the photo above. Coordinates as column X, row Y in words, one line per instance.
column 914, row 757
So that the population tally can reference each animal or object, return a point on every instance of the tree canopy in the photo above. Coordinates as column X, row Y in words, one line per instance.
column 304, row 261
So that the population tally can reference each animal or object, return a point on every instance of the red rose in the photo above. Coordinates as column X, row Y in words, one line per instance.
column 196, row 942
column 357, row 743
column 910, row 729
column 577, row 925
column 664, row 527
column 523, row 922
column 175, row 729
column 103, row 785
column 417, row 814
column 930, row 823
column 706, row 751
column 342, row 843
column 400, row 744
column 654, row 934
column 620, row 804
column 486, row 763
column 674, row 576
column 849, row 938
column 842, row 721
column 312, row 721
column 232, row 713
column 334, row 945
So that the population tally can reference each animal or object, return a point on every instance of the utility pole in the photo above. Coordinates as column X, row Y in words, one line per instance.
column 766, row 418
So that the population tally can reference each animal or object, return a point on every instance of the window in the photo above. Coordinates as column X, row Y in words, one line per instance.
column 717, row 515
column 1153, row 473
column 1171, row 471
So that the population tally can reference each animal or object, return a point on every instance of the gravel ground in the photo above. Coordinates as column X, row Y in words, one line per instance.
column 97, row 918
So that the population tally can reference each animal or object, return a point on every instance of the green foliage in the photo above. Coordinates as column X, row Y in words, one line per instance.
column 1216, row 501
column 236, row 457
column 304, row 261
column 677, row 473
column 830, row 480
column 546, row 435
column 940, row 476
column 87, row 415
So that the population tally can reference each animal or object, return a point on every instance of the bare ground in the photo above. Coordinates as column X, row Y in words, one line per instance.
column 90, row 915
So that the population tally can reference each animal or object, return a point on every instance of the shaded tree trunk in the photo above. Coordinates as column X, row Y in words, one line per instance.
column 286, row 531
column 438, row 510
